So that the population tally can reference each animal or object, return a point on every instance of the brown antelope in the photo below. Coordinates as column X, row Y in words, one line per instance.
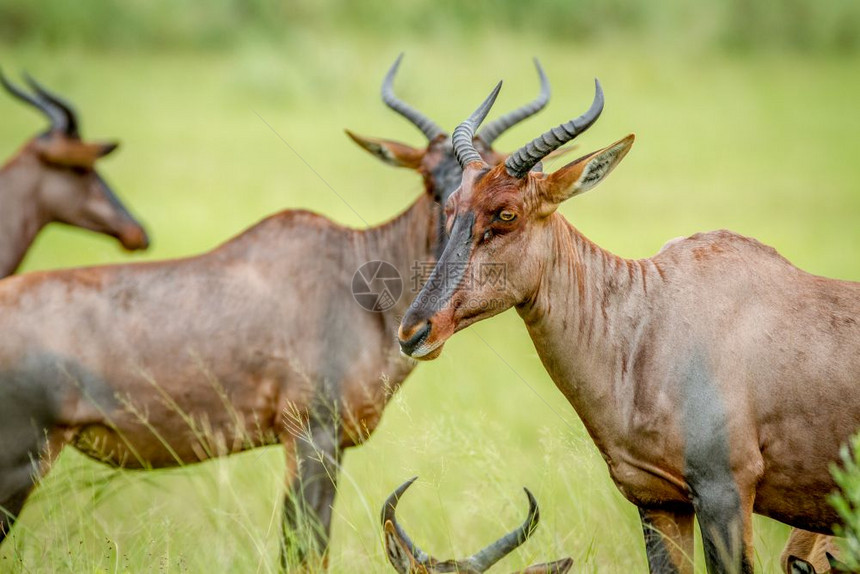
column 407, row 558
column 715, row 378
column 53, row 179
column 257, row 342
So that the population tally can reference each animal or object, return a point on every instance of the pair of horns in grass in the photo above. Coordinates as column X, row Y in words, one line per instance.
column 524, row 159
column 407, row 558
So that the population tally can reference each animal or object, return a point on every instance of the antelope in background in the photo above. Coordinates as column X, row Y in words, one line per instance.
column 407, row 558
column 162, row 364
column 715, row 378
column 53, row 179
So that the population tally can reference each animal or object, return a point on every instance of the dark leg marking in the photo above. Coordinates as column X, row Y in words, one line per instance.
column 308, row 506
column 708, row 471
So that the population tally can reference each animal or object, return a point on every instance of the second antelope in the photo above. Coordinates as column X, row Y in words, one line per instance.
column 716, row 378
column 170, row 363
column 53, row 179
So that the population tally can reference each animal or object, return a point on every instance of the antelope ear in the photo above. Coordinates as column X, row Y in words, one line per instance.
column 106, row 148
column 391, row 152
column 398, row 554
column 584, row 173
column 835, row 564
column 60, row 150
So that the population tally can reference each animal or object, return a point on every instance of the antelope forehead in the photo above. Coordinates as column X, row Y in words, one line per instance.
column 491, row 200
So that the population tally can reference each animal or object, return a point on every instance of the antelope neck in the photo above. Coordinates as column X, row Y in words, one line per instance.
column 409, row 242
column 588, row 319
column 20, row 216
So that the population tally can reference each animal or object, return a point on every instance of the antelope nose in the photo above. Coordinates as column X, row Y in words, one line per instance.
column 134, row 238
column 412, row 337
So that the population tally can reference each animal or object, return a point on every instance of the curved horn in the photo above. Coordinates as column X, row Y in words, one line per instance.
column 70, row 119
column 55, row 115
column 503, row 546
column 497, row 127
column 427, row 126
column 388, row 513
column 524, row 159
column 464, row 148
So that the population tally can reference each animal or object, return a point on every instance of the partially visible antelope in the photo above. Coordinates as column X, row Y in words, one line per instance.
column 715, row 378
column 808, row 552
column 407, row 558
column 257, row 342
column 827, row 563
column 53, row 178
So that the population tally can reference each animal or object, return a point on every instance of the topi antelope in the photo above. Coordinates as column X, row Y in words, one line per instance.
column 257, row 342
column 715, row 378
column 407, row 558
column 53, row 179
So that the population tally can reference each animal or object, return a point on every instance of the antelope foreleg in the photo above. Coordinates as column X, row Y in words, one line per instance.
column 725, row 519
column 308, row 505
column 668, row 539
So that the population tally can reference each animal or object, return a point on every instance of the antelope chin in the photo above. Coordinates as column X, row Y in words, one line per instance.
column 428, row 351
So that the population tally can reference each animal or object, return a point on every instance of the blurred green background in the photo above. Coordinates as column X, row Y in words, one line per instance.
column 746, row 114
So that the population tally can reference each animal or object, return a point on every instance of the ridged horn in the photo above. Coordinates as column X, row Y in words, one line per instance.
column 524, row 159
column 55, row 115
column 70, row 118
column 427, row 126
column 504, row 545
column 464, row 148
column 389, row 513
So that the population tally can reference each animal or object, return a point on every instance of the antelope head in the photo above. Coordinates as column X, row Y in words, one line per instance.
column 501, row 222
column 407, row 558
column 437, row 162
column 58, row 168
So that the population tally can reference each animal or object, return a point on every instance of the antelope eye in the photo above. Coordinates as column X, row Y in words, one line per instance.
column 506, row 215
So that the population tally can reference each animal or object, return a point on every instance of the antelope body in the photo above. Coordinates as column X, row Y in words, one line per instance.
column 257, row 342
column 53, row 179
column 715, row 378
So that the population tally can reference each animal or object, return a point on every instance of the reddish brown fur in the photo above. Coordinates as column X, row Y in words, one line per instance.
column 255, row 343
column 52, row 178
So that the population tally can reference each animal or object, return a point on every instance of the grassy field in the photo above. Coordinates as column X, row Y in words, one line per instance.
column 764, row 145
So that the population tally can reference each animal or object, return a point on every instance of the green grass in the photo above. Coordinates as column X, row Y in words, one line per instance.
column 765, row 146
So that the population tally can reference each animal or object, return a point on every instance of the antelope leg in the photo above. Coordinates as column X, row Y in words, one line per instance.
column 668, row 539
column 308, row 505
